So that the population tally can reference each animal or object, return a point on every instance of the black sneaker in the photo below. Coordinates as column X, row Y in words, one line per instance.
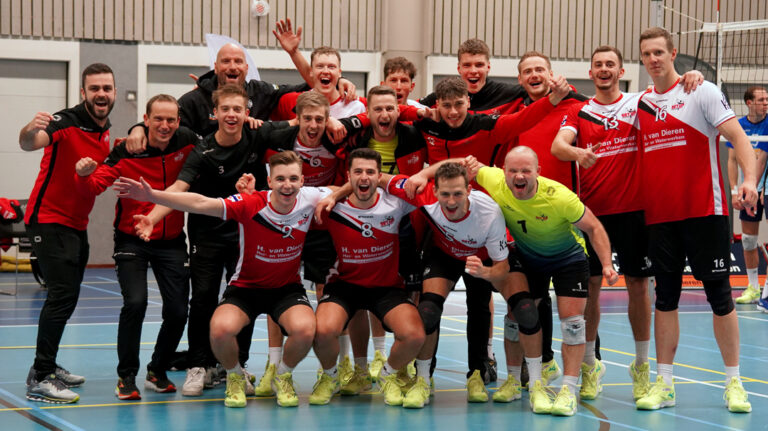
column 126, row 388
column 158, row 382
column 50, row 390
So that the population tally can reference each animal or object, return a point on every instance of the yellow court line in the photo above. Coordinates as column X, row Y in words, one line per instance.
column 621, row 352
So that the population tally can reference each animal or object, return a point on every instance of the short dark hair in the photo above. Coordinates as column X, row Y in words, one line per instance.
column 450, row 170
column 324, row 50
column 750, row 93
column 365, row 154
column 96, row 69
column 161, row 98
column 286, row 157
column 654, row 32
column 608, row 48
column 397, row 64
column 529, row 54
column 229, row 90
column 381, row 90
column 450, row 88
column 312, row 99
column 474, row 46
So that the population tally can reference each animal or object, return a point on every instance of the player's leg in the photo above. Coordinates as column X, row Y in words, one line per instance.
column 750, row 226
column 234, row 313
column 332, row 315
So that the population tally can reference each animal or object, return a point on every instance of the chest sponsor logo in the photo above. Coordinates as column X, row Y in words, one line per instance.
column 629, row 113
column 678, row 105
column 178, row 157
column 388, row 221
column 304, row 219
column 542, row 217
column 431, row 140
column 413, row 160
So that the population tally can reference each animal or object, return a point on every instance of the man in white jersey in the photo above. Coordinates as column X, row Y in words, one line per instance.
column 273, row 225
column 686, row 209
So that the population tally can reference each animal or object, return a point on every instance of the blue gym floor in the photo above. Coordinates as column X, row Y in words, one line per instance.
column 88, row 348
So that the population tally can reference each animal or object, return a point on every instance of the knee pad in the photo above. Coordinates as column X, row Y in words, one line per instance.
column 719, row 296
column 511, row 330
column 430, row 309
column 574, row 330
column 748, row 242
column 668, row 289
column 525, row 312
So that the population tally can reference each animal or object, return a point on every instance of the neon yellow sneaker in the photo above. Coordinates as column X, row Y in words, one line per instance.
column 565, row 403
column 360, row 382
column 540, row 398
column 736, row 397
column 750, row 295
column 476, row 392
column 661, row 395
column 509, row 391
column 235, row 393
column 346, row 370
column 286, row 393
column 591, row 380
column 418, row 395
column 264, row 388
column 641, row 379
column 323, row 391
column 550, row 371
column 374, row 368
column 411, row 369
column 392, row 388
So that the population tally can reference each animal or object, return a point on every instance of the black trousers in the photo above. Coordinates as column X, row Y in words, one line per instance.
column 207, row 265
column 62, row 253
column 169, row 264
column 478, row 321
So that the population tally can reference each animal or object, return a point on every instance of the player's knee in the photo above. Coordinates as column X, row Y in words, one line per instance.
column 719, row 296
column 526, row 314
column 430, row 310
column 511, row 330
column 668, row 288
column 574, row 330
column 748, row 242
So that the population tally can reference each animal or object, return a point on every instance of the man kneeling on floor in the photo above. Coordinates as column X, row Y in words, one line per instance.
column 273, row 225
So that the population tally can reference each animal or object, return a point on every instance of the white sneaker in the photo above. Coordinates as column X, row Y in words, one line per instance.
column 249, row 379
column 194, row 383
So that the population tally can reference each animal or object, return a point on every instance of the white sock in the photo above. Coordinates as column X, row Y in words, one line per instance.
column 665, row 371
column 490, row 348
column 514, row 371
column 731, row 372
column 641, row 352
column 333, row 371
column 534, row 369
column 387, row 369
column 379, row 343
column 275, row 355
column 589, row 353
column 422, row 367
column 237, row 370
column 362, row 362
column 752, row 277
column 344, row 347
column 282, row 368
column 572, row 382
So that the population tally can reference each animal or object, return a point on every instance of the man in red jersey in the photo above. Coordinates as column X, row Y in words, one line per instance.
column 273, row 225
column 681, row 165
column 57, row 217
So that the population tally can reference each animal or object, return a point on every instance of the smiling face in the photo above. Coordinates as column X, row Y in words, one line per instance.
column 364, row 177
column 521, row 171
column 534, row 76
column 401, row 82
column 453, row 197
column 162, row 122
column 312, row 121
column 285, row 181
column 231, row 113
column 473, row 69
column 326, row 72
column 99, row 95
column 230, row 66
column 605, row 70
column 453, row 110
column 383, row 113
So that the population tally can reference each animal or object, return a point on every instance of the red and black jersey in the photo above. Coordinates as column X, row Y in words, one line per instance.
column 159, row 168
column 322, row 165
column 495, row 98
column 540, row 140
column 73, row 135
column 411, row 150
column 286, row 107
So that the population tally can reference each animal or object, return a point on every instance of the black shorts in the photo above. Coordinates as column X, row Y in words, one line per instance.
column 758, row 212
column 438, row 264
column 410, row 266
column 379, row 300
column 318, row 256
column 255, row 301
column 629, row 239
column 705, row 241
column 569, row 280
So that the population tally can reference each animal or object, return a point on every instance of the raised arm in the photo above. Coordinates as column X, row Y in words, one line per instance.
column 290, row 42
column 184, row 201
column 32, row 136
